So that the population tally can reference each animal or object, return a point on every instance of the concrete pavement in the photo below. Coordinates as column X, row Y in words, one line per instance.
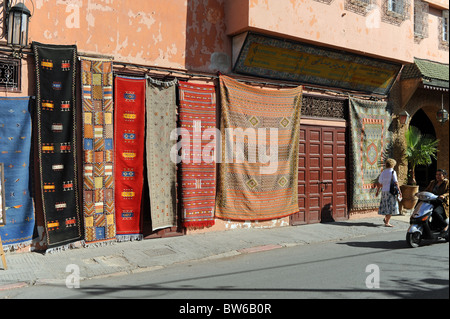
column 140, row 256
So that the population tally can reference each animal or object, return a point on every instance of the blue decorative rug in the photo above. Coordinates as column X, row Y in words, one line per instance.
column 15, row 145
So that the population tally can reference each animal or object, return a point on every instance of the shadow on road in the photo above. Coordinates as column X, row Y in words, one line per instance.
column 391, row 245
column 382, row 244
column 158, row 291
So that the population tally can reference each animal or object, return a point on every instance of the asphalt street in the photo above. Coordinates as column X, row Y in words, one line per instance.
column 375, row 266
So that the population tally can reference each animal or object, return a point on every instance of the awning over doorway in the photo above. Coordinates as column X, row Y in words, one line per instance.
column 433, row 75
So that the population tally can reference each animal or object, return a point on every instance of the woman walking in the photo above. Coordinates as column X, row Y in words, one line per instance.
column 389, row 203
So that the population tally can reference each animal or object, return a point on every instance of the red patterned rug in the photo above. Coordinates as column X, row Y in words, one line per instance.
column 197, row 114
column 129, row 156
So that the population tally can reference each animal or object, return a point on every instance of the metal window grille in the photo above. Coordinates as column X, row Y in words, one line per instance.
column 313, row 106
column 325, row 1
column 10, row 74
column 445, row 26
column 361, row 7
column 421, row 10
column 395, row 6
column 396, row 11
column 443, row 31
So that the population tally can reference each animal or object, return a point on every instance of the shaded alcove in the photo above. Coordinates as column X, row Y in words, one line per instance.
column 424, row 174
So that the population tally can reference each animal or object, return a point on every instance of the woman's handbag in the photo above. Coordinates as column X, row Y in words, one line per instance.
column 394, row 188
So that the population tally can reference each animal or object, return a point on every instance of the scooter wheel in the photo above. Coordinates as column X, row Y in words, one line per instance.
column 413, row 239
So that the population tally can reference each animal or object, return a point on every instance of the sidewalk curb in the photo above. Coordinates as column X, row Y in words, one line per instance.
column 138, row 270
column 14, row 286
column 134, row 258
column 258, row 249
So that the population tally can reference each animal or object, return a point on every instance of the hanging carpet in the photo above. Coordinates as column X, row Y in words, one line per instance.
column 370, row 137
column 129, row 156
column 197, row 115
column 98, row 147
column 15, row 146
column 57, row 143
column 257, row 185
column 161, row 170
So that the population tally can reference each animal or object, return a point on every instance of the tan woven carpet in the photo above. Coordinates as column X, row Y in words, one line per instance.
column 254, row 186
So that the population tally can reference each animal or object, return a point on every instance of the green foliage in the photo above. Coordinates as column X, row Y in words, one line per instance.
column 420, row 150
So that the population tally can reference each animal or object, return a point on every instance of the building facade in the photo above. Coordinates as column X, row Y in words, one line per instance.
column 403, row 45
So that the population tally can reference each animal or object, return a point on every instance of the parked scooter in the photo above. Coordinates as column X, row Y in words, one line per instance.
column 421, row 221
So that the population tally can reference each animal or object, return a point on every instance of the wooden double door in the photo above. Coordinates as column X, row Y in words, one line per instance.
column 322, row 182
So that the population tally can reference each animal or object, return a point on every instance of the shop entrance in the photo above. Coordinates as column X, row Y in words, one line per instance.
column 424, row 174
column 322, row 186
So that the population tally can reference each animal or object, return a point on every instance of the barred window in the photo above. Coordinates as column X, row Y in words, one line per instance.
column 443, row 31
column 396, row 11
column 359, row 6
column 396, row 6
column 10, row 71
column 325, row 1
column 445, row 26
column 362, row 2
column 421, row 10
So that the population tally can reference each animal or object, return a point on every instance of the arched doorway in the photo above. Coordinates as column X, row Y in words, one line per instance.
column 424, row 174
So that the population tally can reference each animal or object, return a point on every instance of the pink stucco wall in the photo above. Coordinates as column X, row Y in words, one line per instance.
column 179, row 34
column 130, row 31
column 426, row 49
column 174, row 34
column 334, row 26
column 196, row 34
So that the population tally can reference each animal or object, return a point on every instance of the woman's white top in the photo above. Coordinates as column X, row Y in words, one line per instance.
column 385, row 178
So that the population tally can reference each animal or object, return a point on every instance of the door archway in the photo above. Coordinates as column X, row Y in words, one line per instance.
column 424, row 174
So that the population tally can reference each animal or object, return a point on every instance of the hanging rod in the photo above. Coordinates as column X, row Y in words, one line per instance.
column 342, row 93
column 169, row 70
column 252, row 81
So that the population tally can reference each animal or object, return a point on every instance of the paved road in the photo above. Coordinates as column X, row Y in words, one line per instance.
column 343, row 269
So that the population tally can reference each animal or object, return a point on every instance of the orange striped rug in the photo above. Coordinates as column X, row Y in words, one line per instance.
column 258, row 185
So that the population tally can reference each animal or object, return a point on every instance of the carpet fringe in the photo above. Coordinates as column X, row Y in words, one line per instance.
column 124, row 238
column 62, row 248
column 99, row 244
column 14, row 247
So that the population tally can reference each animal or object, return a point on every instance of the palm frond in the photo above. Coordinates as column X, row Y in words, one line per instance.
column 420, row 148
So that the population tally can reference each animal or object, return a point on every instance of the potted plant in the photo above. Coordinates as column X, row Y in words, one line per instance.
column 420, row 150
